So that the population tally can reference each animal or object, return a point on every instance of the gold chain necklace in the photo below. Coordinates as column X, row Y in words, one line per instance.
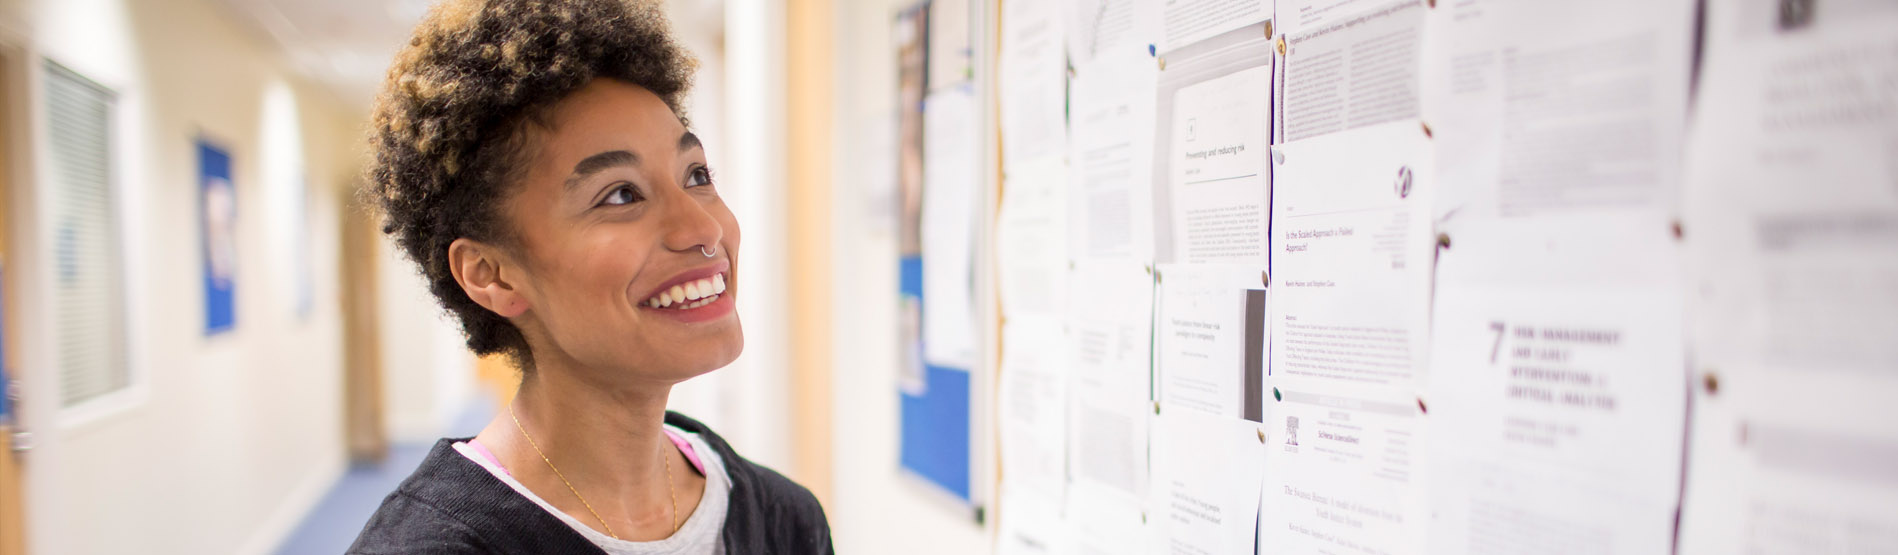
column 674, row 497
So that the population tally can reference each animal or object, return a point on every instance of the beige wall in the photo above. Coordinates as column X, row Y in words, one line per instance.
column 428, row 372
column 223, row 442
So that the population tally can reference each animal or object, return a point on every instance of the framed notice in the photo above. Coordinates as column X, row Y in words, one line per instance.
column 217, row 219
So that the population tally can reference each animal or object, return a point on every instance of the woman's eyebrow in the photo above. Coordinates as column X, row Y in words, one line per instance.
column 595, row 163
column 688, row 141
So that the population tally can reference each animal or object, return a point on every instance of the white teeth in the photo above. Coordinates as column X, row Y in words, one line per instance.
column 691, row 294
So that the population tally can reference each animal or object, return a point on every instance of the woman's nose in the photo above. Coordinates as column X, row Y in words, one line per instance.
column 688, row 224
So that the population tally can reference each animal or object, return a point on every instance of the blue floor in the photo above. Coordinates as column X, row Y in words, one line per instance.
column 333, row 524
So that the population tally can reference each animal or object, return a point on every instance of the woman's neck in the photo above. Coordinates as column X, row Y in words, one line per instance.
column 599, row 427
column 607, row 442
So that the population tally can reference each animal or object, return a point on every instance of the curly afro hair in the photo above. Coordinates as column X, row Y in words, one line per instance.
column 450, row 126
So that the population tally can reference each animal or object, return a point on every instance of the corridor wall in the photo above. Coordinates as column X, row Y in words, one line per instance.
column 221, row 443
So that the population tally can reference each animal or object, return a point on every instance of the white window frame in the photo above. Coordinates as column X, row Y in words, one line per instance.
column 136, row 393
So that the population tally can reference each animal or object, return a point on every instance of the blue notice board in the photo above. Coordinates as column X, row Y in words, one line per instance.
column 6, row 406
column 935, row 402
column 217, row 218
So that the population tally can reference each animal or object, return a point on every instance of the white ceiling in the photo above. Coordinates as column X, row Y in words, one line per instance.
column 344, row 44
column 347, row 45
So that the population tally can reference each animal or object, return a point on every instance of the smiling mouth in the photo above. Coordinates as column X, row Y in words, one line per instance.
column 689, row 295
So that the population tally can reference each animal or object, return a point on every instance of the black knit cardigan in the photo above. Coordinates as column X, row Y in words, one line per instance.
column 451, row 505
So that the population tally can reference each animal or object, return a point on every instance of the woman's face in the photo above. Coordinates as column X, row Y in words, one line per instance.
column 614, row 217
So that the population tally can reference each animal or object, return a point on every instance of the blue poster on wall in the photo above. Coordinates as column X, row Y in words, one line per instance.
column 935, row 401
column 217, row 218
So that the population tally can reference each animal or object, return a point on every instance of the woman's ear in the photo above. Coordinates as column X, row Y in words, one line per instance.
column 478, row 268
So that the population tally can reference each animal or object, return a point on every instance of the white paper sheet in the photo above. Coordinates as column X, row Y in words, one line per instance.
column 1030, row 527
column 951, row 55
column 1110, row 348
column 1031, row 409
column 1303, row 16
column 1110, row 360
column 948, row 221
column 1212, row 202
column 1219, row 185
column 1201, row 336
column 1031, row 239
column 1556, row 391
column 1031, row 413
column 1351, row 266
column 1343, row 474
column 1352, row 71
column 1109, row 28
column 1184, row 22
column 1111, row 160
column 1206, row 474
column 1791, row 222
column 1554, row 107
column 1032, row 91
column 1107, row 522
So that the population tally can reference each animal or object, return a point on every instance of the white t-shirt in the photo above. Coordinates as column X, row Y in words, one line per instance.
column 698, row 536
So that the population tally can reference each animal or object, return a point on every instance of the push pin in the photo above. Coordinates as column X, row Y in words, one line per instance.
column 1261, row 435
column 1426, row 128
column 1443, row 241
column 1162, row 63
column 1265, row 279
column 1281, row 47
column 1710, row 381
column 1268, row 28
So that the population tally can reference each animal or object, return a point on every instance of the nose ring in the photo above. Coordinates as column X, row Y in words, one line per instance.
column 708, row 253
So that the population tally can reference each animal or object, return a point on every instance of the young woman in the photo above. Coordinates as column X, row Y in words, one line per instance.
column 532, row 159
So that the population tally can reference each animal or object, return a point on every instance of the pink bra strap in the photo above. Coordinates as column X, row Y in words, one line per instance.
column 685, row 447
column 485, row 453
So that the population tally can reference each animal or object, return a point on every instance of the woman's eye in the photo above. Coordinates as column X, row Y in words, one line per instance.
column 624, row 194
column 700, row 176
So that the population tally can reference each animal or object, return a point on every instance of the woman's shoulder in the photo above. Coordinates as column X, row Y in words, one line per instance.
column 451, row 505
column 769, row 513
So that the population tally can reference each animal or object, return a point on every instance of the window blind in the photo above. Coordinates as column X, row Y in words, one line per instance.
column 89, row 299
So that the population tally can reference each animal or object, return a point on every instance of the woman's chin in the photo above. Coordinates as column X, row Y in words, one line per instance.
column 713, row 353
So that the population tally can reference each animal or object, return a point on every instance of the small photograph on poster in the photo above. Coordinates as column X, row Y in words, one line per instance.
column 217, row 212
column 912, row 54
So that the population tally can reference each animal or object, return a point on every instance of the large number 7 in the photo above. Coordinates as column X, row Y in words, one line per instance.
column 1498, row 348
